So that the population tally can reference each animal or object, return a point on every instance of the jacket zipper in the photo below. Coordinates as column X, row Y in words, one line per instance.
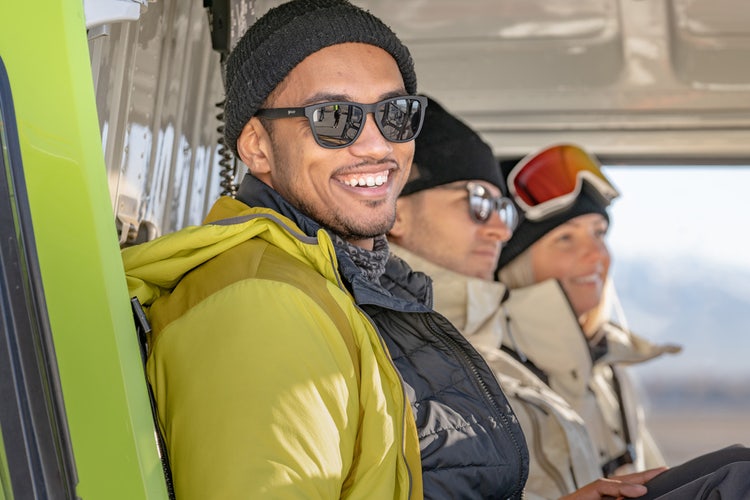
column 455, row 347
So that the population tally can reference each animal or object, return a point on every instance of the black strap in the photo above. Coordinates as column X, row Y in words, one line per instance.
column 628, row 457
column 143, row 329
column 541, row 375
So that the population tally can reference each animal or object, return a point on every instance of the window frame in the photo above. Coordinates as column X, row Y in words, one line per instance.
column 35, row 438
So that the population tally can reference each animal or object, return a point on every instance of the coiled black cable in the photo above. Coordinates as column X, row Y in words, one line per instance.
column 227, row 161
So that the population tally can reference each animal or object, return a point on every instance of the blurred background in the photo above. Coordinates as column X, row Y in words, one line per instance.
column 681, row 266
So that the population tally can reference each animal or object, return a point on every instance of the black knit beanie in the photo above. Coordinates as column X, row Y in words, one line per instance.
column 283, row 37
column 528, row 232
column 447, row 150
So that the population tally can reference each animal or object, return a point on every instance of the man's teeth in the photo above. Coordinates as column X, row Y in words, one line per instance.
column 368, row 180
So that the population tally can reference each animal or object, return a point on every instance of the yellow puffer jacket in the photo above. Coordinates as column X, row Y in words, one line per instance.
column 269, row 381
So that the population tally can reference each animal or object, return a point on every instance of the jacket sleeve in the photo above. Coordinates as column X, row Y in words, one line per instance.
column 257, row 396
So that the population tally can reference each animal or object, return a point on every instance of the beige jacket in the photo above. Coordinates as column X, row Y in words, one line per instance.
column 613, row 417
column 575, row 420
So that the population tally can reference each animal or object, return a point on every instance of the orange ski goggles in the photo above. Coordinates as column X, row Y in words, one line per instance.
column 547, row 182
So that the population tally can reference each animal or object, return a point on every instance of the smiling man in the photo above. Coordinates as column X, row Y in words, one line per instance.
column 269, row 379
column 352, row 189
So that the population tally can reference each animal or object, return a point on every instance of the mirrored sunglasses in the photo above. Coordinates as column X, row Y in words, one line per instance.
column 338, row 124
column 482, row 205
column 548, row 182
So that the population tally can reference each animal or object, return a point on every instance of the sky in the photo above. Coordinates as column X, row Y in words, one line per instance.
column 682, row 211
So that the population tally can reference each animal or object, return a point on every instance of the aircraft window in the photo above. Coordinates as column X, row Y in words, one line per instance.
column 679, row 240
column 33, row 429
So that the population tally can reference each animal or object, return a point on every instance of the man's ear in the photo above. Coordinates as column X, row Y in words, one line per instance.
column 400, row 225
column 254, row 148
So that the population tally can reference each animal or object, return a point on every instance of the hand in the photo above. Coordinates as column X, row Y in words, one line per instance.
column 625, row 486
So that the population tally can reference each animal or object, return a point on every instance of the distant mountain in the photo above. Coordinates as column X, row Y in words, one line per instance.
column 704, row 307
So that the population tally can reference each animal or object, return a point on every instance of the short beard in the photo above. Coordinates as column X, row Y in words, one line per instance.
column 335, row 224
column 328, row 219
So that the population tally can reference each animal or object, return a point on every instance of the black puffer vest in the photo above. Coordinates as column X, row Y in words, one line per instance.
column 471, row 443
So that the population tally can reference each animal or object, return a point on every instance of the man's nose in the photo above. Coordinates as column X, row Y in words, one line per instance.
column 497, row 229
column 371, row 141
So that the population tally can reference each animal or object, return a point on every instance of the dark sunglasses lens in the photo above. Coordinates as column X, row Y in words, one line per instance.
column 399, row 118
column 336, row 125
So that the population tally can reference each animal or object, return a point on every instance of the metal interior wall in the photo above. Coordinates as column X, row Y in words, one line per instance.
column 157, row 86
column 661, row 81
column 634, row 81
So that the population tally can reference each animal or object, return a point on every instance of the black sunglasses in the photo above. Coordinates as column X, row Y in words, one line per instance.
column 338, row 124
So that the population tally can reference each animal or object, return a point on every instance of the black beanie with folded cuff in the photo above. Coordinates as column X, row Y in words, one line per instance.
column 447, row 150
column 283, row 37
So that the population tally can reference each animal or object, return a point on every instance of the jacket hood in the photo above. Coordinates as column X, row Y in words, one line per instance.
column 624, row 346
column 155, row 267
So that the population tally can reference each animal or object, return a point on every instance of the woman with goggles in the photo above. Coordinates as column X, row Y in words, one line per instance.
column 556, row 324
column 558, row 335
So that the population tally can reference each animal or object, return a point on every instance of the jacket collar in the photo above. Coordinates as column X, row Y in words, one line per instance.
column 471, row 304
column 256, row 193
column 414, row 291
column 406, row 284
column 544, row 329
